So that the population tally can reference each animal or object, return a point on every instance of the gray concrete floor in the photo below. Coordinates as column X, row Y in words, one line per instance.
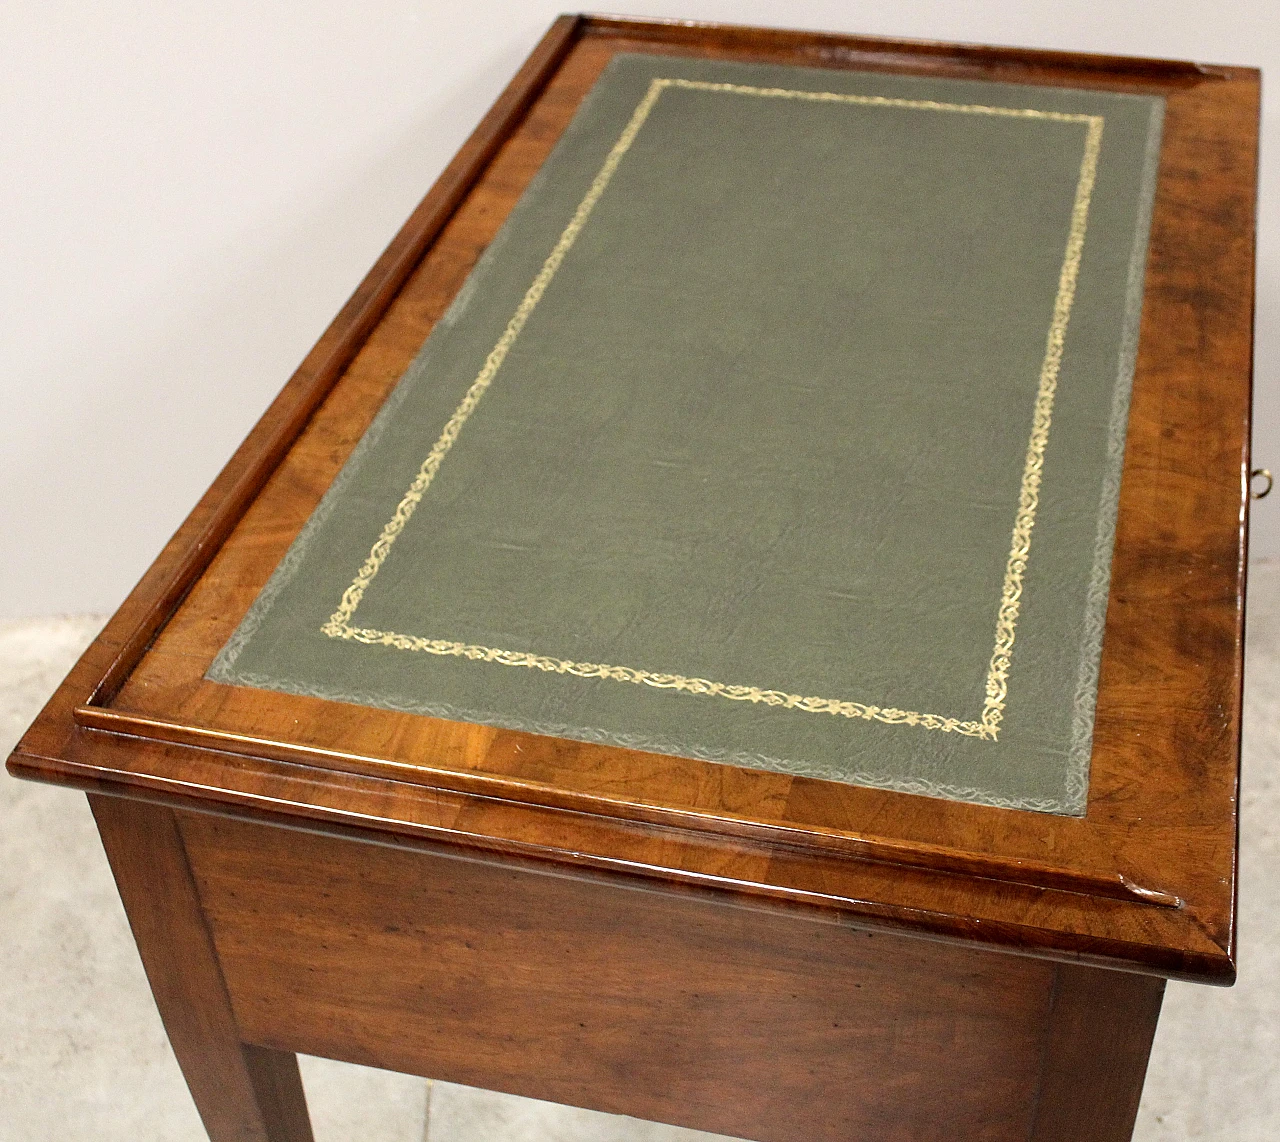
column 83, row 1055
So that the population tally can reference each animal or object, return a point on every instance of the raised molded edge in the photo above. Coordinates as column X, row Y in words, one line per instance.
column 882, row 850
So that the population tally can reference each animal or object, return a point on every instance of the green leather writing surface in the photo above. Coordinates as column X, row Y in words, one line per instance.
column 781, row 425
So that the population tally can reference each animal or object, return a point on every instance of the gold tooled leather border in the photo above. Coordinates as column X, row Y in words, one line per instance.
column 987, row 726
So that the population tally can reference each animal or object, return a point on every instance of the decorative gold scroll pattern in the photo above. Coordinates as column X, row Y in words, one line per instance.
column 340, row 624
column 997, row 688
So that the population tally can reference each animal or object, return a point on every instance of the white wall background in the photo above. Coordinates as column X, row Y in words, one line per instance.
column 188, row 193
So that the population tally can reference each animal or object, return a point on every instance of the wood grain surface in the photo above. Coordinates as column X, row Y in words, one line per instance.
column 1099, row 1039
column 1144, row 881
column 615, row 997
column 244, row 1093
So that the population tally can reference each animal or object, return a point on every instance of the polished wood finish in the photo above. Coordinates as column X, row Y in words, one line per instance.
column 244, row 1093
column 615, row 996
column 670, row 854
column 1099, row 1038
column 1159, row 836
column 355, row 804
column 692, row 1010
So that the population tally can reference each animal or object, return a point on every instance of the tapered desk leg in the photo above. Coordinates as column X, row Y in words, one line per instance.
column 243, row 1093
column 1099, row 1040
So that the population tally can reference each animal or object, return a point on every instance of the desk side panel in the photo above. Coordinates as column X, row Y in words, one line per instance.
column 662, row 1007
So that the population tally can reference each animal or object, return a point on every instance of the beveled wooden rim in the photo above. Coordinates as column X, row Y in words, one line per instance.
column 940, row 858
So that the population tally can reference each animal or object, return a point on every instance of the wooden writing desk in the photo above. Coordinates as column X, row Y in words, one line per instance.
column 763, row 955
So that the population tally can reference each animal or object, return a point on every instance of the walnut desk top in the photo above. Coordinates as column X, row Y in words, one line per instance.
column 1143, row 880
